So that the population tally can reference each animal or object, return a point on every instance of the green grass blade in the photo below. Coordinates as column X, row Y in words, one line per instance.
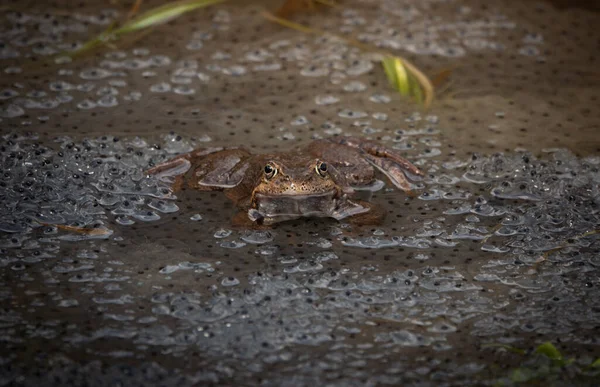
column 403, row 78
column 150, row 18
column 415, row 90
column 91, row 44
column 388, row 67
column 163, row 14
column 396, row 74
column 550, row 351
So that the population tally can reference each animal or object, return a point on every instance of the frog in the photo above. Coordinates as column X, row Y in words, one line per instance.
column 318, row 180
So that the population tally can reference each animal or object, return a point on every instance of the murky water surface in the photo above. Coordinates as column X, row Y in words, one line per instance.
column 499, row 246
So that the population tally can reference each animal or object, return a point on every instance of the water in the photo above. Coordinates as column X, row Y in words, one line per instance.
column 109, row 275
column 309, row 290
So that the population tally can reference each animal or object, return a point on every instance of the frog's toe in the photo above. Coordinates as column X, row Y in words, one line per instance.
column 349, row 208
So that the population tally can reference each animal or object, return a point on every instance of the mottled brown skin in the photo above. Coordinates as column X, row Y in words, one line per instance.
column 315, row 181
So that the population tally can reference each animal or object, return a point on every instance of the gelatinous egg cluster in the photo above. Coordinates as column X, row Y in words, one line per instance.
column 311, row 292
column 78, row 184
column 107, row 275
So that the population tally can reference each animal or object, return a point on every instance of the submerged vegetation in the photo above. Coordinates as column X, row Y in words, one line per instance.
column 546, row 364
column 402, row 75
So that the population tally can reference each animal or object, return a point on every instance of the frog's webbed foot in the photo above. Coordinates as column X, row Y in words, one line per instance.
column 393, row 171
column 388, row 161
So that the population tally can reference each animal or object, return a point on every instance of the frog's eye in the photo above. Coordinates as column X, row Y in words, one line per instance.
column 321, row 169
column 270, row 171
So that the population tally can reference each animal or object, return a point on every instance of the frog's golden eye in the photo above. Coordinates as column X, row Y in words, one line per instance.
column 270, row 171
column 321, row 169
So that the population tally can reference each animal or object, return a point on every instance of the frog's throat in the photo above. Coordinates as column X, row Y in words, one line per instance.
column 332, row 193
column 269, row 209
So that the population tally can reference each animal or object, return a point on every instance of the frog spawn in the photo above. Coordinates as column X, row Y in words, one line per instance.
column 519, row 215
column 540, row 204
column 461, row 229
column 79, row 183
column 550, row 186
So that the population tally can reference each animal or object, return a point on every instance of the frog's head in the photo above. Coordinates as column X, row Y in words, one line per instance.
column 298, row 186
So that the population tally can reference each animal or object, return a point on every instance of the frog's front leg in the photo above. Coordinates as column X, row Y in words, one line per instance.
column 373, row 216
column 243, row 221
column 387, row 160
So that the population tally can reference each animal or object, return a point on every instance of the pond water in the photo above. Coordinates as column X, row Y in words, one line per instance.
column 498, row 248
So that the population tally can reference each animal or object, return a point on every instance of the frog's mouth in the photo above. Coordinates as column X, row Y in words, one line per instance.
column 278, row 208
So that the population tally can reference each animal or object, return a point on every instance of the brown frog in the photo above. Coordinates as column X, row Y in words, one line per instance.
column 318, row 180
